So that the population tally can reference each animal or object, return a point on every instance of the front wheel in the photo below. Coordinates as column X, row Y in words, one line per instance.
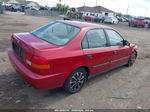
column 132, row 59
column 75, row 81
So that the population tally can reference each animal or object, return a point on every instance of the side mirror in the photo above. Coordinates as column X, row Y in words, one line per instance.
column 125, row 42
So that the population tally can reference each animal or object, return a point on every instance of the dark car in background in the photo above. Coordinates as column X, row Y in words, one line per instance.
column 14, row 7
column 99, row 19
column 148, row 25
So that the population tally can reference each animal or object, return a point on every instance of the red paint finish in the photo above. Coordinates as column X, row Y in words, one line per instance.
column 137, row 22
column 60, row 61
column 122, row 52
column 88, row 18
column 100, row 56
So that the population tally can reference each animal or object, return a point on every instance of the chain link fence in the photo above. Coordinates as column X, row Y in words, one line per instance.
column 43, row 12
column 1, row 8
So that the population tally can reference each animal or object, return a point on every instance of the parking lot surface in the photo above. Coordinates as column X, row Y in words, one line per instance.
column 122, row 88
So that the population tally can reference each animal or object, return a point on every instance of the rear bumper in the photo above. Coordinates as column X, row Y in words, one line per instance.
column 37, row 81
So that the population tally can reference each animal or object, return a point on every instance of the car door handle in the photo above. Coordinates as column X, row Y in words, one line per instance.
column 89, row 56
column 115, row 52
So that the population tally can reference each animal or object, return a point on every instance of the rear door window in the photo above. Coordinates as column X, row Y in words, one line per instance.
column 94, row 39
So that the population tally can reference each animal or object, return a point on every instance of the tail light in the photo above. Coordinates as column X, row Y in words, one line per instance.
column 36, row 61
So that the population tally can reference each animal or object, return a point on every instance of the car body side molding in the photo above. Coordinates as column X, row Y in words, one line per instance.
column 110, row 62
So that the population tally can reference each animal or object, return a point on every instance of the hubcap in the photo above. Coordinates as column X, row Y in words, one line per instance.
column 77, row 81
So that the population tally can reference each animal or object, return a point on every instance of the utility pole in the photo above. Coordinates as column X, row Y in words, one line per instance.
column 96, row 6
column 60, row 1
column 145, row 12
column 59, row 7
column 96, row 2
column 127, row 10
column 84, row 6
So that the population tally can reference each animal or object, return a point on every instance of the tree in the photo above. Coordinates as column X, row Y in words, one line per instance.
column 128, row 16
column 119, row 14
column 60, row 7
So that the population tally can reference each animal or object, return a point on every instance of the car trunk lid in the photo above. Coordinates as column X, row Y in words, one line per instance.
column 25, row 44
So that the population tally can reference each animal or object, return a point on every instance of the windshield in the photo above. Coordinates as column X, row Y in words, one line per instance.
column 138, row 19
column 57, row 33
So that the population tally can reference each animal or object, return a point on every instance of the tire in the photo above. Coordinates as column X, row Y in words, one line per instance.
column 129, row 24
column 118, row 22
column 132, row 59
column 132, row 24
column 75, row 81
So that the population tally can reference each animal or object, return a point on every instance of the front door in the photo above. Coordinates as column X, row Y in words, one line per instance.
column 120, row 53
column 96, row 51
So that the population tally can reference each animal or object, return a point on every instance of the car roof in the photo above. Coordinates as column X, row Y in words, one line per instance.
column 84, row 24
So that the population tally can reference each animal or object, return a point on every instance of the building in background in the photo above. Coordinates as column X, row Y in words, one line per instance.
column 14, row 5
column 96, row 11
column 33, row 5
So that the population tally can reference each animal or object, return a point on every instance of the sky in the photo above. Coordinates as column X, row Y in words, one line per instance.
column 135, row 7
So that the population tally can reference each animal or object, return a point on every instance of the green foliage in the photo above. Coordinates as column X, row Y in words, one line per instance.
column 60, row 7
column 119, row 14
column 128, row 16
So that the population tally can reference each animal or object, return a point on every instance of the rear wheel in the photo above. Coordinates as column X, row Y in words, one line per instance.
column 132, row 59
column 75, row 81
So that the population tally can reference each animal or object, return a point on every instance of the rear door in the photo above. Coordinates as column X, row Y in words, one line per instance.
column 120, row 53
column 96, row 50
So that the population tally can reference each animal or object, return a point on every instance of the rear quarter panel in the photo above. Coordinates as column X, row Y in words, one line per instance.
column 65, row 58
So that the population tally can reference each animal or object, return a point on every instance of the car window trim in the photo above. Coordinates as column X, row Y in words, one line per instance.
column 86, row 40
column 107, row 42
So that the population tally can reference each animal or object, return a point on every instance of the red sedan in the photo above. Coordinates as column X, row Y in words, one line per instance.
column 67, row 53
column 135, row 22
column 88, row 18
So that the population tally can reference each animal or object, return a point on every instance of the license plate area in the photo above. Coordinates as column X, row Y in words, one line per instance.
column 19, row 51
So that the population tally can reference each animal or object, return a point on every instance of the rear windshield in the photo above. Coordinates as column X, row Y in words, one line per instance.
column 57, row 33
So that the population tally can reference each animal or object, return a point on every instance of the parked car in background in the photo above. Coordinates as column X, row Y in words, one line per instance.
column 8, row 7
column 126, row 19
column 137, row 22
column 148, row 25
column 14, row 7
column 147, row 20
column 121, row 19
column 99, row 19
column 112, row 20
column 66, row 53
column 88, row 18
